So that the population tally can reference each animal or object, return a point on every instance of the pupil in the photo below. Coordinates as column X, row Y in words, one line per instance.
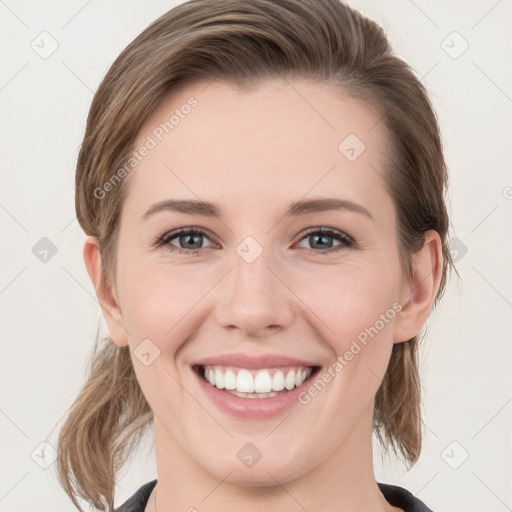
column 191, row 237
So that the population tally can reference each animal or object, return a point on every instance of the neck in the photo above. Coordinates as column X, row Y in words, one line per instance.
column 343, row 481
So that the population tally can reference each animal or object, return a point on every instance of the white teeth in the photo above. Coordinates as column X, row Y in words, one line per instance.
column 289, row 381
column 254, row 395
column 219, row 379
column 261, row 385
column 278, row 381
column 263, row 382
column 230, row 380
column 244, row 382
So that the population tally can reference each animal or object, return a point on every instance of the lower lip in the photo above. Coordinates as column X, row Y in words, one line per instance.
column 253, row 408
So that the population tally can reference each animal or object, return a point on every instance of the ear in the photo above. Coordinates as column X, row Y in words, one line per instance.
column 106, row 296
column 419, row 292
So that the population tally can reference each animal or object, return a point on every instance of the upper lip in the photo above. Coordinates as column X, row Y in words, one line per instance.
column 246, row 361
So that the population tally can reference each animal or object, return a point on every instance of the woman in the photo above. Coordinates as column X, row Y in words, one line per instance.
column 262, row 188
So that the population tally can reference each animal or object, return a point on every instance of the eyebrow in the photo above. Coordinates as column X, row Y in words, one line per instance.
column 297, row 208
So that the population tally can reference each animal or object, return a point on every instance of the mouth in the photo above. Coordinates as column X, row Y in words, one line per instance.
column 255, row 383
column 253, row 387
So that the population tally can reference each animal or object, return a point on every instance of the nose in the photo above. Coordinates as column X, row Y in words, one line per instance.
column 254, row 297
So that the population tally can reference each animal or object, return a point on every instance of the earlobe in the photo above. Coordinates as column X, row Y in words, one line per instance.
column 420, row 292
column 106, row 296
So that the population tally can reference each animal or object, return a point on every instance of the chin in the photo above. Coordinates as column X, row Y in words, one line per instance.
column 266, row 472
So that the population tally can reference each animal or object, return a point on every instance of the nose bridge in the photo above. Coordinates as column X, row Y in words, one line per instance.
column 251, row 276
column 254, row 298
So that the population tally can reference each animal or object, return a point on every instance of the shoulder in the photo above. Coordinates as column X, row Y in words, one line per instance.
column 402, row 498
column 138, row 501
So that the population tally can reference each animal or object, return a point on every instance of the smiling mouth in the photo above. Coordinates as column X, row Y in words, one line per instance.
column 255, row 383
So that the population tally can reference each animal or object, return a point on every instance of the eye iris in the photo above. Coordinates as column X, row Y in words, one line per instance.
column 320, row 239
column 188, row 238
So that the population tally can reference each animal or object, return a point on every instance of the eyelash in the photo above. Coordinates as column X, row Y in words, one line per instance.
column 346, row 240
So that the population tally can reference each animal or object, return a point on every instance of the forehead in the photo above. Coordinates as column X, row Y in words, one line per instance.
column 279, row 141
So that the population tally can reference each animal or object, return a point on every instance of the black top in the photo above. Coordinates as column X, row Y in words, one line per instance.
column 396, row 496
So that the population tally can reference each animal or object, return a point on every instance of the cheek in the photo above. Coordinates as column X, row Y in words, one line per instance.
column 359, row 307
column 352, row 299
column 156, row 297
column 158, row 311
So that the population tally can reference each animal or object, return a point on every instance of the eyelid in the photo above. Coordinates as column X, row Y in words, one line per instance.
column 328, row 231
column 189, row 229
column 346, row 241
column 164, row 240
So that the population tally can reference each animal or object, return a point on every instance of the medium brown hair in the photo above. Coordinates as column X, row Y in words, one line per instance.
column 243, row 42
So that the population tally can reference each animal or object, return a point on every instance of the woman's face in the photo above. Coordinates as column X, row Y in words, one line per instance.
column 259, row 280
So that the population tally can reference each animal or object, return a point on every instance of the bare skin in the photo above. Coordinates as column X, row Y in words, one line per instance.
column 252, row 154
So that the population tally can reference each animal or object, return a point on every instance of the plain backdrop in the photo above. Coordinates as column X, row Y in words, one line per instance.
column 462, row 52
